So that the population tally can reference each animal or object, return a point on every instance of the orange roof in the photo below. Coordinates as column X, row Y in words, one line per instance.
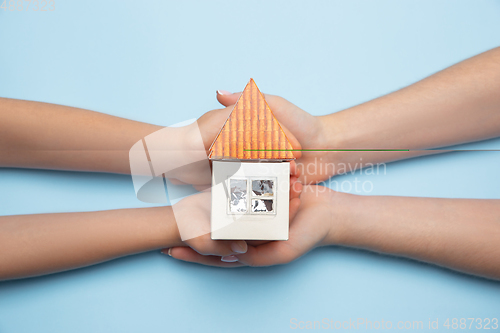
column 251, row 131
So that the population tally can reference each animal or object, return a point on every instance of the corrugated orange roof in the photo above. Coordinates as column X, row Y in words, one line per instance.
column 251, row 131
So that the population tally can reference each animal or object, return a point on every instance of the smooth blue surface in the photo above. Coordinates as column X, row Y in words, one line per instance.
column 161, row 62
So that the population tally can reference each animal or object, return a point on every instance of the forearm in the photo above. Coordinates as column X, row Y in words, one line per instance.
column 49, row 136
column 462, row 234
column 33, row 245
column 459, row 104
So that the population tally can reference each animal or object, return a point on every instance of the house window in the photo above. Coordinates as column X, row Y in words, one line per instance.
column 238, row 199
column 255, row 195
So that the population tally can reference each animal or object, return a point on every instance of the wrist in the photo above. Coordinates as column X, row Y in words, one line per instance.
column 163, row 228
column 345, row 131
column 342, row 208
column 334, row 132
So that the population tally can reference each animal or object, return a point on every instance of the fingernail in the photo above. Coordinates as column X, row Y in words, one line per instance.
column 167, row 252
column 229, row 258
column 224, row 92
column 239, row 247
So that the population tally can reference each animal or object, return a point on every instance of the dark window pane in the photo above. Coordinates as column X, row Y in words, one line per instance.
column 262, row 205
column 262, row 187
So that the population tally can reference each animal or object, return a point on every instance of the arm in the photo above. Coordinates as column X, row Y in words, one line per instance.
column 459, row 104
column 49, row 136
column 40, row 244
column 461, row 234
column 32, row 245
column 40, row 135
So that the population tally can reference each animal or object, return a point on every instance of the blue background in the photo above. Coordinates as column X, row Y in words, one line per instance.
column 161, row 62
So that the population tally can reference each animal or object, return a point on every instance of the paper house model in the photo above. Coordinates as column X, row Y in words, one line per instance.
column 250, row 173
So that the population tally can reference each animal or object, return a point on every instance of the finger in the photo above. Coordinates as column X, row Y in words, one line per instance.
column 189, row 255
column 294, row 208
column 295, row 188
column 294, row 169
column 285, row 108
column 272, row 253
column 227, row 98
column 257, row 242
column 204, row 245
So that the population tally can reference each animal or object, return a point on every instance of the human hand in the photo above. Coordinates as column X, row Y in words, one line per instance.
column 317, row 222
column 192, row 215
column 196, row 140
column 311, row 132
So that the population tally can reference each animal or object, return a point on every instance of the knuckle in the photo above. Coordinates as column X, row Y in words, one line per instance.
column 280, row 100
